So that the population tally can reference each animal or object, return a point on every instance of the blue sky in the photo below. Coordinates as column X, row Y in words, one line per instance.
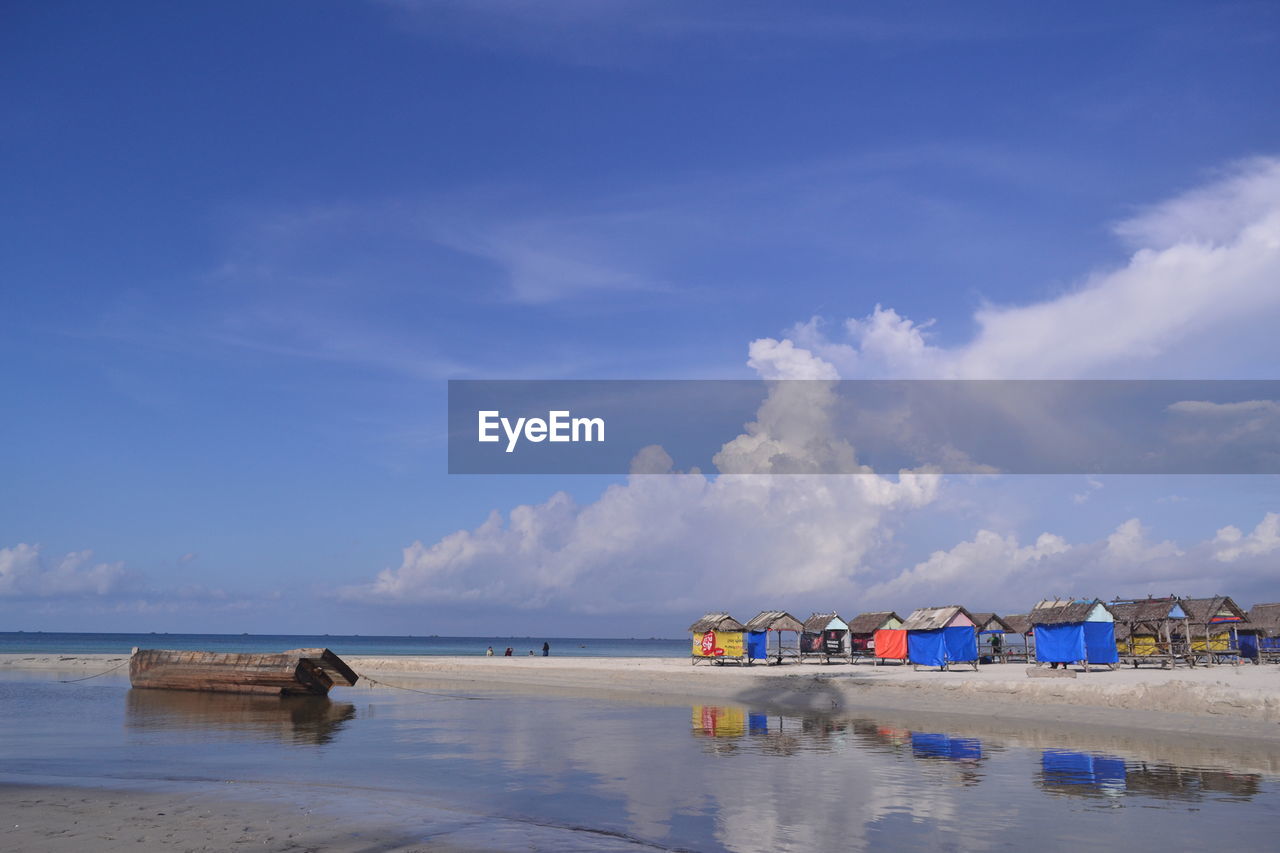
column 245, row 245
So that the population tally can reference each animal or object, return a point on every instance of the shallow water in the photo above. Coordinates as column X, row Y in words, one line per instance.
column 706, row 777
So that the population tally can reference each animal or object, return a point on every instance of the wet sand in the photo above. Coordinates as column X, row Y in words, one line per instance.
column 1241, row 700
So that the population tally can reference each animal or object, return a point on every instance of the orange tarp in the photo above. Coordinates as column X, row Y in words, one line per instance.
column 891, row 643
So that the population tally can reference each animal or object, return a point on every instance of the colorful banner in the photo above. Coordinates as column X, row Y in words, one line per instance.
column 718, row 644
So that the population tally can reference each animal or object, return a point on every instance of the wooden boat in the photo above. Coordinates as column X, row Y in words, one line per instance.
column 292, row 673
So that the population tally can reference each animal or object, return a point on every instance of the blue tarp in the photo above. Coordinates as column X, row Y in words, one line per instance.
column 757, row 645
column 942, row 646
column 1249, row 646
column 926, row 648
column 1061, row 643
column 961, row 643
column 1100, row 642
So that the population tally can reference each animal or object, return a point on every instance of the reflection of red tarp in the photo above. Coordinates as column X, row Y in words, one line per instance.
column 891, row 644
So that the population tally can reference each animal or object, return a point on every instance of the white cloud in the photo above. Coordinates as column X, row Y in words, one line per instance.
column 1231, row 544
column 685, row 542
column 24, row 573
column 1205, row 264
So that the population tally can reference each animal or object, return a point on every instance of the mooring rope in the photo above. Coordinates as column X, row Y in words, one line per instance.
column 125, row 662
column 372, row 680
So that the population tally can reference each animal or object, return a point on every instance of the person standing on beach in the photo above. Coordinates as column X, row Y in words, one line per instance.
column 489, row 653
column 546, row 649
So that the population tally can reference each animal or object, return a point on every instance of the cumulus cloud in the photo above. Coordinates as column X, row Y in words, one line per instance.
column 1000, row 572
column 1231, row 544
column 1203, row 263
column 671, row 542
column 25, row 573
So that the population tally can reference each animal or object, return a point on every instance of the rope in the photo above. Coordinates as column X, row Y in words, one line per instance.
column 372, row 680
column 125, row 662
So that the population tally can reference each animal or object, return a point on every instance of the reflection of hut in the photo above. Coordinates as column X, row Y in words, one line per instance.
column 941, row 636
column 1019, row 642
column 718, row 637
column 991, row 633
column 1265, row 640
column 1074, row 631
column 1214, row 626
column 766, row 640
column 825, row 636
column 863, row 628
column 1151, row 630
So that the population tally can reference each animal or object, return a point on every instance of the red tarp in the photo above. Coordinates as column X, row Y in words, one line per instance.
column 891, row 643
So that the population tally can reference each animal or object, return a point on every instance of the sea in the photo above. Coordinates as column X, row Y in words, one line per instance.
column 40, row 642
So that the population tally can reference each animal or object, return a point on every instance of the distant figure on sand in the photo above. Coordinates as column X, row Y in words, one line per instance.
column 507, row 653
column 489, row 653
column 546, row 649
column 530, row 652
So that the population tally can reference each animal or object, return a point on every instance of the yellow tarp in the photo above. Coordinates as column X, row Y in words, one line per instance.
column 718, row 644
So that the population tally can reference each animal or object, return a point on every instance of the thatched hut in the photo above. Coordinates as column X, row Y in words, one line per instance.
column 1265, row 641
column 863, row 629
column 1151, row 630
column 1074, row 631
column 825, row 636
column 718, row 637
column 766, row 638
column 991, row 635
column 941, row 636
column 1214, row 626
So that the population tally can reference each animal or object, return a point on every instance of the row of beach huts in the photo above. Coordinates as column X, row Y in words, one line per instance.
column 1166, row 632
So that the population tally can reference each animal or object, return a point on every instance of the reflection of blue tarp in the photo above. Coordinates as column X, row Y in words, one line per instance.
column 757, row 724
column 942, row 646
column 757, row 645
column 1063, row 767
column 1100, row 642
column 931, row 745
column 1060, row 643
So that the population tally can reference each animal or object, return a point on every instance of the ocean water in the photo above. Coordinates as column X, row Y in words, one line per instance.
column 52, row 643
column 600, row 775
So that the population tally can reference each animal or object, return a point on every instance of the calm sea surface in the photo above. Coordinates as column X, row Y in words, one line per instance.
column 600, row 775
column 46, row 643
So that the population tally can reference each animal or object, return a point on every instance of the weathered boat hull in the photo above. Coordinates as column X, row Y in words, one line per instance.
column 298, row 672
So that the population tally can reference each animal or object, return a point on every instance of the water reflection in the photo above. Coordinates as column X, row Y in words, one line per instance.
column 1092, row 775
column 302, row 720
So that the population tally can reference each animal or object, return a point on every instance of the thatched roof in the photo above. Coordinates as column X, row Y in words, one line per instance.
column 1266, row 618
column 869, row 623
column 1143, row 610
column 1201, row 611
column 929, row 618
column 990, row 622
column 818, row 622
column 774, row 620
column 1019, row 623
column 715, row 622
column 1063, row 611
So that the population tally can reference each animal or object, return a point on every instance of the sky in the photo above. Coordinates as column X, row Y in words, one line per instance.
column 246, row 245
